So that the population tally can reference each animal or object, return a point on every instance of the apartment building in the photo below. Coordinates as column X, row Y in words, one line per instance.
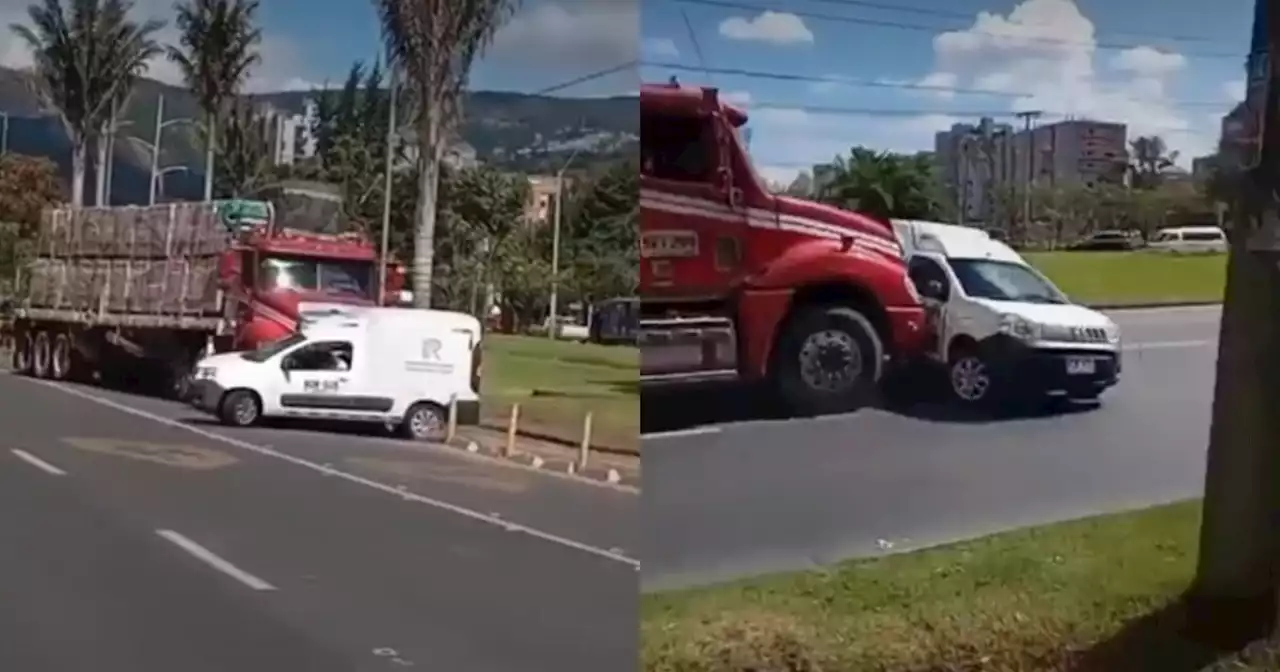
column 293, row 137
column 972, row 159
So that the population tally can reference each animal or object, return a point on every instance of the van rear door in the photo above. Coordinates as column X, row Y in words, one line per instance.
column 443, row 365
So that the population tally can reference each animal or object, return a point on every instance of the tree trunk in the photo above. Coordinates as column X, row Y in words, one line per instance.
column 211, row 142
column 79, row 150
column 100, row 168
column 424, row 235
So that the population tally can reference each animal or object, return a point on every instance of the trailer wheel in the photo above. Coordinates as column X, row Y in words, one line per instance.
column 61, row 360
column 40, row 355
column 22, row 353
column 240, row 408
column 828, row 360
column 424, row 421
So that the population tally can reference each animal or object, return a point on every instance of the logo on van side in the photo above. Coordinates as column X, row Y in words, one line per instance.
column 431, row 360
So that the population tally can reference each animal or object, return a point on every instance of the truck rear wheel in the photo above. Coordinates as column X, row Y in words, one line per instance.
column 40, row 355
column 828, row 360
column 62, row 358
column 22, row 353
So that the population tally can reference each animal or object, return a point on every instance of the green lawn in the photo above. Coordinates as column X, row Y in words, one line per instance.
column 557, row 382
column 1096, row 595
column 1134, row 277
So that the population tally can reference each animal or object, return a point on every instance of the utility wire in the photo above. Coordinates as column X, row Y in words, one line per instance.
column 970, row 16
column 586, row 78
column 934, row 30
column 872, row 83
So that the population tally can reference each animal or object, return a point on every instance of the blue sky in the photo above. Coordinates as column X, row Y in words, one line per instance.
column 1168, row 67
column 307, row 43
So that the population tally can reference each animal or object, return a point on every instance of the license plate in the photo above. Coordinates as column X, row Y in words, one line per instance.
column 1079, row 366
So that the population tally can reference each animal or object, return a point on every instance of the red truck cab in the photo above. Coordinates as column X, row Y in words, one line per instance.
column 738, row 282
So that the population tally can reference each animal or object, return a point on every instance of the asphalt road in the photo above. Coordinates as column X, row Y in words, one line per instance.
column 728, row 496
column 135, row 541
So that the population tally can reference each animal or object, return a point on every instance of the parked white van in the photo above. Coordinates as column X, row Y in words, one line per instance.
column 401, row 367
column 1190, row 240
column 1001, row 329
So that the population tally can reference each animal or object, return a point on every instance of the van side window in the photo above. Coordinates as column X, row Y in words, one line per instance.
column 1202, row 235
column 323, row 356
column 678, row 148
column 922, row 271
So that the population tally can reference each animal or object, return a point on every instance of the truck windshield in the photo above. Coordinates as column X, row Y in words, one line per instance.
column 269, row 350
column 1004, row 281
column 328, row 276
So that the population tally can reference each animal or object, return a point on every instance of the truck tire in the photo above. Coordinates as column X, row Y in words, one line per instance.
column 22, row 353
column 61, row 358
column 40, row 355
column 424, row 421
column 828, row 360
column 240, row 408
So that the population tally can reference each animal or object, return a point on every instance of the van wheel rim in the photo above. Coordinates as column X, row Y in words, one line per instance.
column 246, row 411
column 969, row 379
column 830, row 360
column 425, row 422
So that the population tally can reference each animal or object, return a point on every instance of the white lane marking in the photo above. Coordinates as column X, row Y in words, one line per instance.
column 353, row 478
column 680, row 433
column 210, row 558
column 37, row 462
column 1167, row 345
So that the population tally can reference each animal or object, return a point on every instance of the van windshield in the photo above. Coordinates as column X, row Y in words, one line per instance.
column 1004, row 281
column 269, row 350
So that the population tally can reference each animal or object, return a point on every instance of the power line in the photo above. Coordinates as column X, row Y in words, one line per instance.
column 970, row 16
column 872, row 83
column 934, row 30
column 586, row 78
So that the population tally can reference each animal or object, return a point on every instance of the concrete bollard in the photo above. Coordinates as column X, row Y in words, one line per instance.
column 584, row 449
column 513, row 430
column 452, row 428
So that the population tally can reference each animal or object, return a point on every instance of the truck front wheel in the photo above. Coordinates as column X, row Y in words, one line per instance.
column 828, row 360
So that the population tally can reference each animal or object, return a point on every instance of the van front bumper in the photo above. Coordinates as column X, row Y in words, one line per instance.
column 205, row 395
column 1059, row 371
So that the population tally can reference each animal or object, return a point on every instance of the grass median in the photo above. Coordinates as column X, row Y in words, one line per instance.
column 557, row 382
column 1095, row 595
column 1141, row 277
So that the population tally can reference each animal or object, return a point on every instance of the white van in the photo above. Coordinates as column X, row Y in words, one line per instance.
column 1002, row 329
column 1190, row 240
column 401, row 367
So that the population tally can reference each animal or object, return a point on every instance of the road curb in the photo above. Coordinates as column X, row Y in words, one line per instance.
column 1152, row 305
column 601, row 475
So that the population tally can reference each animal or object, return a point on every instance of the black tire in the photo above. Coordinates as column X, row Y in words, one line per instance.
column 40, row 355
column 424, row 421
column 61, row 358
column 240, row 408
column 828, row 360
column 22, row 354
column 972, row 378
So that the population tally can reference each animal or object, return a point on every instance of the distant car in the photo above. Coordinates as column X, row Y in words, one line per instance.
column 1110, row 240
column 1190, row 240
column 615, row 321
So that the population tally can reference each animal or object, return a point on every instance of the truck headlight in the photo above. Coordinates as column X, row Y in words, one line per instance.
column 1019, row 327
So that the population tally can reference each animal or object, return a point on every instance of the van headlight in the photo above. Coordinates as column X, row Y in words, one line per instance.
column 1019, row 327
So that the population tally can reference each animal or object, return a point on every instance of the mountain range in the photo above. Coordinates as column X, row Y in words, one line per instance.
column 515, row 131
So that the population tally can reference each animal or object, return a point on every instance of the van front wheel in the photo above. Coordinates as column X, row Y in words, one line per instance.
column 424, row 421
column 240, row 408
column 829, row 360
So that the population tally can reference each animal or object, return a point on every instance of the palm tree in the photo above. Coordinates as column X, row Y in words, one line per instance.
column 434, row 43
column 882, row 184
column 219, row 46
column 1150, row 158
column 87, row 58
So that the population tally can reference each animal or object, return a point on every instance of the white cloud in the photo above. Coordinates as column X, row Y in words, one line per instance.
column 740, row 98
column 566, row 34
column 659, row 47
column 1234, row 90
column 769, row 26
column 1047, row 50
column 283, row 64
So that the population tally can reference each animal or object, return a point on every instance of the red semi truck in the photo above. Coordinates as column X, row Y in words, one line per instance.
column 744, row 284
column 141, row 293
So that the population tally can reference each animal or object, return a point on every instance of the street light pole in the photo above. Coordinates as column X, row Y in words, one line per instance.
column 387, row 182
column 554, row 318
column 155, row 148
column 4, row 132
